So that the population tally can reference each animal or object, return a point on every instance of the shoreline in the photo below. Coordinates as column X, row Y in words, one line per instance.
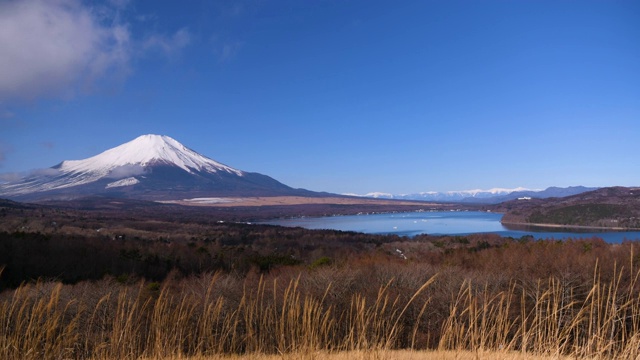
column 583, row 227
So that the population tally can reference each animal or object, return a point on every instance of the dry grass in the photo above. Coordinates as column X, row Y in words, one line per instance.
column 272, row 319
column 551, row 320
column 384, row 355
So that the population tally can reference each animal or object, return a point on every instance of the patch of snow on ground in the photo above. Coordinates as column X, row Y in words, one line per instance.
column 210, row 200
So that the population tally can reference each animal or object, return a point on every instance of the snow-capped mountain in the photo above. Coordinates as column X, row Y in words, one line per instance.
column 447, row 195
column 491, row 196
column 149, row 167
column 146, row 150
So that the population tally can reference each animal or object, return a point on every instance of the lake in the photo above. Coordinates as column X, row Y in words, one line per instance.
column 441, row 223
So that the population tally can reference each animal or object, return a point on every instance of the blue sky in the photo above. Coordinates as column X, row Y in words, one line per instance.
column 341, row 96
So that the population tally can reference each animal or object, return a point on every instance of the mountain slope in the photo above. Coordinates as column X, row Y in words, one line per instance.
column 143, row 151
column 150, row 167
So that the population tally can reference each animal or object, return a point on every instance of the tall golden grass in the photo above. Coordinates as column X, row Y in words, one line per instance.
column 550, row 320
column 553, row 317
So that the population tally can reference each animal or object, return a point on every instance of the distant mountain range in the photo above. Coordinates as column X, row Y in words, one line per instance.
column 150, row 167
column 492, row 196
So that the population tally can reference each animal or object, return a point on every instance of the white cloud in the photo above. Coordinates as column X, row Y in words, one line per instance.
column 50, row 47
column 57, row 48
column 126, row 171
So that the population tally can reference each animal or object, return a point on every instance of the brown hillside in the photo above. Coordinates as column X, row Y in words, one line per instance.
column 611, row 208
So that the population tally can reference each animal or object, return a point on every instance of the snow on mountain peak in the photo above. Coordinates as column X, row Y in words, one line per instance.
column 451, row 195
column 148, row 167
column 490, row 192
column 146, row 150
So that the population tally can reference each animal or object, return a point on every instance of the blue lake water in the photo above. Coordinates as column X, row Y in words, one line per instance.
column 441, row 223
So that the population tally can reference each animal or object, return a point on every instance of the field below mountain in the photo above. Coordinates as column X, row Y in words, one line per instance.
column 299, row 200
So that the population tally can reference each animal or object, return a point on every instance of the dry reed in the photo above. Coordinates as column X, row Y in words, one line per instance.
column 554, row 318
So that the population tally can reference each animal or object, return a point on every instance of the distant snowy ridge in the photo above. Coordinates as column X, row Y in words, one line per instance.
column 494, row 195
column 494, row 191
column 379, row 195
column 446, row 194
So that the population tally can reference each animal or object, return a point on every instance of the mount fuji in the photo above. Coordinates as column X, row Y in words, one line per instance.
column 150, row 167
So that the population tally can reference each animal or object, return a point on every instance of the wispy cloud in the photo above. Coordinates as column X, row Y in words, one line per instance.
column 9, row 120
column 169, row 45
column 4, row 149
column 44, row 172
column 120, row 4
column 228, row 51
column 6, row 115
column 126, row 171
column 48, row 144
column 225, row 49
column 57, row 48
column 10, row 177
column 51, row 46
column 15, row 176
